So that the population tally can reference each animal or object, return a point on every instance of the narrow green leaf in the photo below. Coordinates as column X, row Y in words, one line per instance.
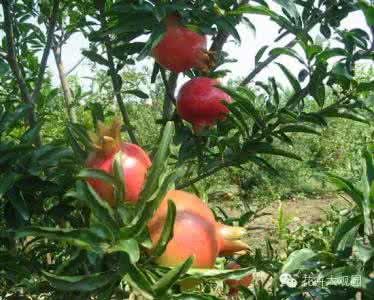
column 332, row 52
column 85, row 283
column 82, row 238
column 96, row 174
column 260, row 53
column 131, row 247
column 167, row 231
column 167, row 281
column 294, row 82
column 297, row 259
column 214, row 274
column 298, row 128
column 137, row 93
column 95, row 57
column 345, row 235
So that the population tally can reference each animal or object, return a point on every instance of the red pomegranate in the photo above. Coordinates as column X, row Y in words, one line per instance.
column 135, row 162
column 200, row 102
column 182, row 49
column 233, row 284
column 196, row 232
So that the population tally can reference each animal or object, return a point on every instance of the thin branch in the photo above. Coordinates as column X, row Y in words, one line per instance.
column 222, row 35
column 208, row 173
column 169, row 99
column 271, row 58
column 117, row 85
column 117, row 92
column 12, row 57
column 43, row 63
column 75, row 66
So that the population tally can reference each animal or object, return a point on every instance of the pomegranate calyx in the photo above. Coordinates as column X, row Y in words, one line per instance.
column 232, row 232
column 233, row 247
column 108, row 137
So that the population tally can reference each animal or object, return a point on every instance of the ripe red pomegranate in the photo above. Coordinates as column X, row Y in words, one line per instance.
column 196, row 232
column 233, row 284
column 182, row 49
column 135, row 162
column 200, row 102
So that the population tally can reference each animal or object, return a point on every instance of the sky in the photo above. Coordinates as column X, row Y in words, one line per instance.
column 266, row 32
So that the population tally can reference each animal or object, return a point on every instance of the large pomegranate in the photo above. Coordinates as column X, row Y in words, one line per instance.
column 196, row 232
column 181, row 49
column 200, row 102
column 135, row 162
column 233, row 284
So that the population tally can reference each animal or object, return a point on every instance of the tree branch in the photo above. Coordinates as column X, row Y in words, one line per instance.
column 271, row 58
column 116, row 84
column 169, row 99
column 43, row 63
column 75, row 66
column 11, row 55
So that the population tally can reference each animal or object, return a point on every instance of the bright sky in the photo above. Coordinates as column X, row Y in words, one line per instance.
column 266, row 32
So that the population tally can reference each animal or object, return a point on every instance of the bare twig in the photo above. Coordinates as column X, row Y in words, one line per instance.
column 65, row 84
column 43, row 63
column 117, row 84
column 75, row 66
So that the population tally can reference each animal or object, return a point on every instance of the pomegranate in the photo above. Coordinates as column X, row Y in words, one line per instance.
column 196, row 232
column 200, row 102
column 182, row 49
column 135, row 162
column 233, row 284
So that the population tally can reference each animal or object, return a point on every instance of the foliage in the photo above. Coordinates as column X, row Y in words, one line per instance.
column 60, row 240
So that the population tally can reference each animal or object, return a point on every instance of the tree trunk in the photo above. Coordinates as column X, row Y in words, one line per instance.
column 68, row 98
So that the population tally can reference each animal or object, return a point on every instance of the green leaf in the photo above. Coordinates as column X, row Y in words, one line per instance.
column 118, row 173
column 346, row 186
column 294, row 82
column 7, row 181
column 345, row 235
column 226, row 25
column 136, row 278
column 214, row 274
column 369, row 164
column 260, row 53
column 83, row 238
column 98, row 207
column 298, row 128
column 158, row 161
column 167, row 231
column 12, row 119
column 286, row 51
column 95, row 57
column 368, row 12
column 275, row 91
column 266, row 148
column 198, row 296
column 154, row 39
column 289, row 6
column 19, row 203
column 365, row 87
column 131, row 247
column 85, row 283
column 97, row 174
column 297, row 259
column 169, row 279
column 137, row 93
column 329, row 53
column 250, row 9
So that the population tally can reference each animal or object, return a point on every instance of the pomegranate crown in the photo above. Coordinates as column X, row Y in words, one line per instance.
column 107, row 137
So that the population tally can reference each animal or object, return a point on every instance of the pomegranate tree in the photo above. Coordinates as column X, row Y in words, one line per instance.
column 196, row 232
column 200, row 102
column 233, row 284
column 135, row 162
column 181, row 48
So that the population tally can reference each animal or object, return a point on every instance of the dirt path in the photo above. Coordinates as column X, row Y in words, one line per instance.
column 296, row 211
